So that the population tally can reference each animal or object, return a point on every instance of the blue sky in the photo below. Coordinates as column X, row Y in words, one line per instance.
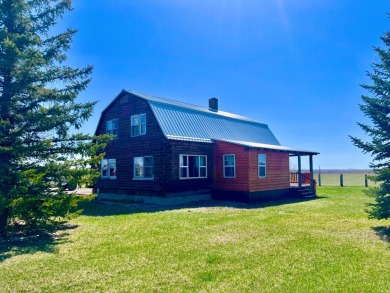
column 293, row 64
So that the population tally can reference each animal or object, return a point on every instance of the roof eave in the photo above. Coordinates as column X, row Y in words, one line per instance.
column 274, row 148
column 303, row 153
column 291, row 152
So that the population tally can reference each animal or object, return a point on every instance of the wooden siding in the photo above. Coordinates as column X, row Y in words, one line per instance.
column 124, row 148
column 277, row 171
column 174, row 183
column 247, row 178
column 241, row 181
column 165, row 154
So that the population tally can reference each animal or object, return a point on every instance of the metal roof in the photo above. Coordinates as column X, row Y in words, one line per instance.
column 280, row 148
column 155, row 99
column 182, row 121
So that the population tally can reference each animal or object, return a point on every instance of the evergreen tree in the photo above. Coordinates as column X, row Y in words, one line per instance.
column 40, row 149
column 377, row 108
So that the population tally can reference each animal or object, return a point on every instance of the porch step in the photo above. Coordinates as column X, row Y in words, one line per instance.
column 304, row 192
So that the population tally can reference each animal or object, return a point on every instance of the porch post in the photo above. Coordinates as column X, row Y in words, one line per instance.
column 299, row 171
column 311, row 169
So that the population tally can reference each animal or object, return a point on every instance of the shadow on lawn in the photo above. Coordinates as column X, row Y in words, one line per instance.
column 111, row 208
column 383, row 232
column 39, row 242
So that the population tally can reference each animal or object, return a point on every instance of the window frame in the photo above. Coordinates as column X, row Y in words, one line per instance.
column 187, row 166
column 229, row 166
column 140, row 126
column 262, row 164
column 142, row 177
column 112, row 130
column 108, row 168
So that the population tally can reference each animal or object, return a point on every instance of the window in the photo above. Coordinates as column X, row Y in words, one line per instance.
column 108, row 168
column 229, row 166
column 143, row 167
column 138, row 124
column 193, row 166
column 112, row 127
column 262, row 166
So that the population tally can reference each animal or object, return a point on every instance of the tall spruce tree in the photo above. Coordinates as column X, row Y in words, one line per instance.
column 40, row 147
column 377, row 108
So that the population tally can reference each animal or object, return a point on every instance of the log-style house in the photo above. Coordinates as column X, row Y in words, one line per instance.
column 170, row 151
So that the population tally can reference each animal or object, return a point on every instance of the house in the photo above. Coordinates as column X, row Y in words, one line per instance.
column 170, row 151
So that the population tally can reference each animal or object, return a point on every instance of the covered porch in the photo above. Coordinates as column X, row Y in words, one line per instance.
column 302, row 180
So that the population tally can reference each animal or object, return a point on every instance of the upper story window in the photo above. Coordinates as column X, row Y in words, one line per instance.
column 143, row 167
column 229, row 166
column 193, row 166
column 112, row 127
column 108, row 168
column 262, row 166
column 138, row 124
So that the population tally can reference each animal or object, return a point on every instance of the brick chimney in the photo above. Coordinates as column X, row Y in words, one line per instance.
column 213, row 104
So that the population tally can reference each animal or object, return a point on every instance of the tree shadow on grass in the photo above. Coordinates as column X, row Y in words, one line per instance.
column 38, row 242
column 99, row 208
column 383, row 232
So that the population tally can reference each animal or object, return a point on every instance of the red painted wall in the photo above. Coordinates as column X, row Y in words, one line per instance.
column 277, row 172
column 247, row 178
column 240, row 183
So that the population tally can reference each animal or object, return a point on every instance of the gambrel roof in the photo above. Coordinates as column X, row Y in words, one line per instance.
column 182, row 121
column 187, row 122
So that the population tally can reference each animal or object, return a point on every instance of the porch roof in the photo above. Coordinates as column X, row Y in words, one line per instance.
column 278, row 148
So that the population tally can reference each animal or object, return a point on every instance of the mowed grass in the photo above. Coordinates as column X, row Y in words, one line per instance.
column 322, row 245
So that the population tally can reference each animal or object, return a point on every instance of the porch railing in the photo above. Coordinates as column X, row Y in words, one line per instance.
column 306, row 178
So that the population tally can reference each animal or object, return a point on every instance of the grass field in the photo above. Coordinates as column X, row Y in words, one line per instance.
column 349, row 179
column 322, row 245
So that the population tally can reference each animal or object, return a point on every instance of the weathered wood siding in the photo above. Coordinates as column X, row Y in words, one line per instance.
column 277, row 171
column 165, row 154
column 174, row 183
column 241, row 181
column 125, row 147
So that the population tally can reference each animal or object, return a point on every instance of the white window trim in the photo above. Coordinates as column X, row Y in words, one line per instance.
column 265, row 166
column 139, row 125
column 142, row 177
column 234, row 166
column 189, row 178
column 108, row 169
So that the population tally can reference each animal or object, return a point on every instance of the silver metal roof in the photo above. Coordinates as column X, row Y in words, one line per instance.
column 155, row 99
column 182, row 121
column 272, row 147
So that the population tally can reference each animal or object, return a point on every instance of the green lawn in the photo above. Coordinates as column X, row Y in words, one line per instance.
column 322, row 245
